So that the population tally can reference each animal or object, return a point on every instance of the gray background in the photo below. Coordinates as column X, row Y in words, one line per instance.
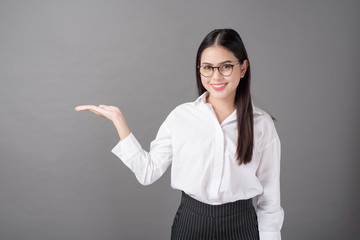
column 58, row 178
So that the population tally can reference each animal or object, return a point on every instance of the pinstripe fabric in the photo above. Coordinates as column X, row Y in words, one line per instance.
column 231, row 221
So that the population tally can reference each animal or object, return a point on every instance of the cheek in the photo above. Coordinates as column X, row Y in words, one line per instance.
column 204, row 81
column 234, row 82
column 236, row 78
column 237, row 75
column 237, row 81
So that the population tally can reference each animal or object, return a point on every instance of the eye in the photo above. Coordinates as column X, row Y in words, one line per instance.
column 207, row 67
column 226, row 66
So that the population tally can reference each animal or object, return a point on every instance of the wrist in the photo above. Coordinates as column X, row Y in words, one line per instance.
column 121, row 127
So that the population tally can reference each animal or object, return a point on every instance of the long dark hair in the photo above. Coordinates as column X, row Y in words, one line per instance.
column 232, row 41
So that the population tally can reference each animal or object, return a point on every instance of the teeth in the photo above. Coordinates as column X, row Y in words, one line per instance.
column 218, row 86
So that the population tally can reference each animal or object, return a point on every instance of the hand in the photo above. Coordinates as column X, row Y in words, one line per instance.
column 110, row 112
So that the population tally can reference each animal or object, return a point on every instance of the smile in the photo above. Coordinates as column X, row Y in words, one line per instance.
column 218, row 87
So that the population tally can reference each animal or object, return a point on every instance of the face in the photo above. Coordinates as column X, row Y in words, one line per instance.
column 221, row 87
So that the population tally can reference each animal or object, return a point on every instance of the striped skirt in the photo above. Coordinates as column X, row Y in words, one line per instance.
column 231, row 221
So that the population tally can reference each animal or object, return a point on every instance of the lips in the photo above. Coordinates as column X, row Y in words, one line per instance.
column 218, row 87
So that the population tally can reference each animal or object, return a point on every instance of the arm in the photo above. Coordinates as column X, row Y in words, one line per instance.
column 147, row 166
column 269, row 211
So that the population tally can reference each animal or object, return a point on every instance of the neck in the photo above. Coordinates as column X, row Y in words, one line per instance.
column 223, row 105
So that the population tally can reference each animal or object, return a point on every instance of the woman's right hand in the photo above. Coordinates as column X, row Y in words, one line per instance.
column 109, row 112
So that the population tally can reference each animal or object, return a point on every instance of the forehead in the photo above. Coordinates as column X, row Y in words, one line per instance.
column 217, row 54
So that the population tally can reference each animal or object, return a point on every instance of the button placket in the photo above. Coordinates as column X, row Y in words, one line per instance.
column 219, row 158
column 217, row 164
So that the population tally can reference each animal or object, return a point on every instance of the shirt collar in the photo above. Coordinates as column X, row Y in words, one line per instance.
column 202, row 99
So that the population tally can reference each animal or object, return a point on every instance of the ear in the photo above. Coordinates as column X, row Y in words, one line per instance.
column 243, row 68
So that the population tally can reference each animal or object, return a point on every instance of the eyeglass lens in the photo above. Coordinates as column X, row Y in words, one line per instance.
column 224, row 70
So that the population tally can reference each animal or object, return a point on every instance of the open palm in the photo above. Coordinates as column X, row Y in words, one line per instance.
column 110, row 112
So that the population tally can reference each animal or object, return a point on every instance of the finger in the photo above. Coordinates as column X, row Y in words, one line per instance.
column 111, row 107
column 96, row 112
column 83, row 107
column 99, row 111
column 91, row 108
column 107, row 107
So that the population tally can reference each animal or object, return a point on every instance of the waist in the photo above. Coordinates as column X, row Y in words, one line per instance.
column 225, row 209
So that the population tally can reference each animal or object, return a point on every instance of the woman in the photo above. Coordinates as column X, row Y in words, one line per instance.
column 224, row 151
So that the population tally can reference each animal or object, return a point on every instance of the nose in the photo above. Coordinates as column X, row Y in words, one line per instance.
column 217, row 75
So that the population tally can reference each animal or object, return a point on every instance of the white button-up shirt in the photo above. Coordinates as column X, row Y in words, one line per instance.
column 202, row 154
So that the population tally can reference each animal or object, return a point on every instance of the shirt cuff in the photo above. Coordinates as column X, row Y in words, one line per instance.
column 270, row 235
column 127, row 148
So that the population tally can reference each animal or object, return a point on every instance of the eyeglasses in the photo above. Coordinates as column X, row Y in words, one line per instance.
column 224, row 69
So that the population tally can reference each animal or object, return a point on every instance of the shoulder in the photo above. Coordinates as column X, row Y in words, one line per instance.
column 261, row 116
column 182, row 111
column 185, row 108
column 264, row 128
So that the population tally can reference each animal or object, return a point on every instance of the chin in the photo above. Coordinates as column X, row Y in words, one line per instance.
column 221, row 94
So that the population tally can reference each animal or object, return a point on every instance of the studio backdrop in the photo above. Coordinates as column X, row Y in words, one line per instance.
column 58, row 177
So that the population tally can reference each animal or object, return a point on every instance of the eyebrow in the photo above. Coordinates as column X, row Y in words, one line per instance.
column 227, row 61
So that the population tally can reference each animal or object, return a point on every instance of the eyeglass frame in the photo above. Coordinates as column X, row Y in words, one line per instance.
column 218, row 68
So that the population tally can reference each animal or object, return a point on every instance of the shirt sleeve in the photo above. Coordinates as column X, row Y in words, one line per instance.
column 147, row 166
column 269, row 211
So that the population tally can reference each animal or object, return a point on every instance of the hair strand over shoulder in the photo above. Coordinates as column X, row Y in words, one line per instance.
column 232, row 41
